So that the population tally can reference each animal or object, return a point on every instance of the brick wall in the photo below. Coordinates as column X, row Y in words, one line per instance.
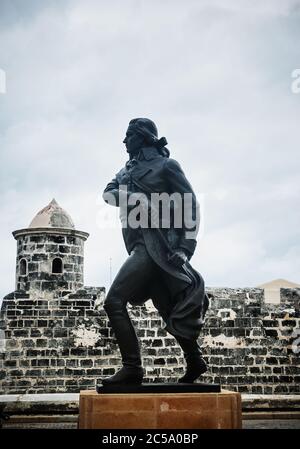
column 249, row 344
column 65, row 344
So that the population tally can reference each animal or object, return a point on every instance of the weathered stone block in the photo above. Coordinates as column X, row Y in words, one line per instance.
column 165, row 411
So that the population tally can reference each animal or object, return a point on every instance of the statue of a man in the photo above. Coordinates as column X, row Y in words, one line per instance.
column 158, row 265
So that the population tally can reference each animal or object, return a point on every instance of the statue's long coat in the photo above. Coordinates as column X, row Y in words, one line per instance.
column 177, row 293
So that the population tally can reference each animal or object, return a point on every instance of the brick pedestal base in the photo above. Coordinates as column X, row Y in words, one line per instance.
column 160, row 411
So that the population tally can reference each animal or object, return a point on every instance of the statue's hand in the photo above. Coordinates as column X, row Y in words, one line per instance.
column 178, row 258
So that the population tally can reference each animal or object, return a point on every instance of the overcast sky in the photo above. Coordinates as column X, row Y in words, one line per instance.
column 216, row 78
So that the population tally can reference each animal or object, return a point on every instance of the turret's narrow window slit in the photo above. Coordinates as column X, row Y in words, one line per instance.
column 23, row 267
column 57, row 265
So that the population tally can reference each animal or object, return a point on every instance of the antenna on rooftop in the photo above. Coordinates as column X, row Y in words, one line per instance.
column 110, row 259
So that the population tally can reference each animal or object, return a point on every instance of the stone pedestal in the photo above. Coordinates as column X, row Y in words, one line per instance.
column 160, row 410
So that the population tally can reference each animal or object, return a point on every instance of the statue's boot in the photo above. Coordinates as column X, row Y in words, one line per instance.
column 195, row 364
column 132, row 371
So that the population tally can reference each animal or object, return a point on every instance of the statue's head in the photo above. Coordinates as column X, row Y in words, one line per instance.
column 141, row 132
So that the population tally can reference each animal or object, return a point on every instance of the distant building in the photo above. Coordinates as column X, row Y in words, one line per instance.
column 272, row 289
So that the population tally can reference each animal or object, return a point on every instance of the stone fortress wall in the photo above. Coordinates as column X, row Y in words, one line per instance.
column 64, row 344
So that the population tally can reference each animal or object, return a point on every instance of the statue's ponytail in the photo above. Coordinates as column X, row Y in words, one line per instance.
column 164, row 152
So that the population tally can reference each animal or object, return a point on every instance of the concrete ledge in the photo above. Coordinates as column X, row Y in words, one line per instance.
column 39, row 403
column 270, row 415
column 270, row 402
column 43, row 418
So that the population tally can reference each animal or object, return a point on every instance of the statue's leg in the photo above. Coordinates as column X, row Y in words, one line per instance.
column 195, row 364
column 131, row 278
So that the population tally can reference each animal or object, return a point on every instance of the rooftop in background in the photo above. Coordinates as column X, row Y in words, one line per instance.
column 52, row 216
column 272, row 289
column 281, row 283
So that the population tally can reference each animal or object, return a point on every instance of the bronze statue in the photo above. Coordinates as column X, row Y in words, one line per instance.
column 158, row 265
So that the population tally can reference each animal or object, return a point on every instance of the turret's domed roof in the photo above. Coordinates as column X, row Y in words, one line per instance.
column 52, row 216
